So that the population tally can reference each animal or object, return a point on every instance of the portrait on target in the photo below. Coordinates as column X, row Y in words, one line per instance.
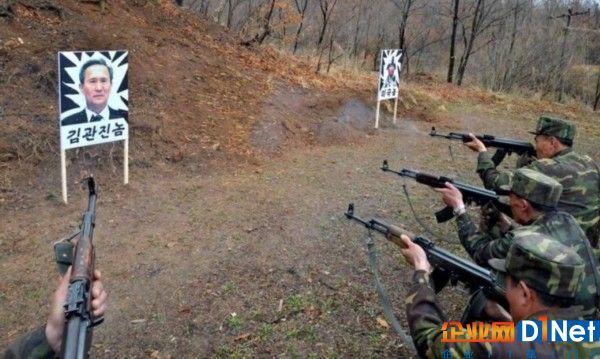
column 93, row 98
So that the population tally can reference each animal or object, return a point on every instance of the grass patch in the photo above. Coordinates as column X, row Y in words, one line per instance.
column 265, row 331
column 234, row 321
column 294, row 303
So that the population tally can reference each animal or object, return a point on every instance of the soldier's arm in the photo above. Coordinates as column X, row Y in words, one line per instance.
column 492, row 177
column 32, row 345
column 481, row 246
column 425, row 319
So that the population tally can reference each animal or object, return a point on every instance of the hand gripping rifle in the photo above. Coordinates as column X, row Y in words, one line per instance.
column 504, row 145
column 448, row 267
column 471, row 194
column 77, row 337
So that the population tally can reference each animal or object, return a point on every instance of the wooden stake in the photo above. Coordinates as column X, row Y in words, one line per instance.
column 126, row 161
column 63, row 174
column 395, row 108
column 377, row 115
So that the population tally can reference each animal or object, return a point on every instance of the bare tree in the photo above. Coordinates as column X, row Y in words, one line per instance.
column 507, row 45
column 301, row 6
column 507, row 79
column 597, row 94
column 359, row 8
column 484, row 17
column 403, row 20
column 332, row 57
column 265, row 29
column 326, row 7
column 561, row 66
column 452, row 42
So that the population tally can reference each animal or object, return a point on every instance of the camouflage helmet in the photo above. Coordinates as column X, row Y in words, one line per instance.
column 544, row 264
column 559, row 128
column 535, row 187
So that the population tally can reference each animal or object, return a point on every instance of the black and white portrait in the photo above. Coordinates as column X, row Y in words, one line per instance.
column 94, row 96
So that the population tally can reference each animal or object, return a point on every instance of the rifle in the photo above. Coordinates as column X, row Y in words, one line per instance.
column 471, row 194
column 448, row 267
column 504, row 145
column 77, row 337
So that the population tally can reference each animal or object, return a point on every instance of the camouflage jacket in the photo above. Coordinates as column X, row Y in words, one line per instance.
column 33, row 345
column 579, row 176
column 561, row 226
column 425, row 319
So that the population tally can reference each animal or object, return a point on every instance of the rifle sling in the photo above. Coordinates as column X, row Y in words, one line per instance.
column 412, row 209
column 384, row 300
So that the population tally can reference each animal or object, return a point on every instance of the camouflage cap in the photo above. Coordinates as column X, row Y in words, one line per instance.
column 535, row 187
column 556, row 127
column 544, row 264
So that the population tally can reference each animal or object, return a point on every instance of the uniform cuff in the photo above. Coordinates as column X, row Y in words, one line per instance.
column 420, row 277
column 484, row 161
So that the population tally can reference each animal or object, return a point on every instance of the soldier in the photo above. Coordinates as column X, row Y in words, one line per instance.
column 533, row 199
column 578, row 174
column 45, row 341
column 541, row 278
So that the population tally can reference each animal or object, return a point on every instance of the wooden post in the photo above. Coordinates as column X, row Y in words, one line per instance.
column 377, row 114
column 63, row 174
column 395, row 108
column 126, row 161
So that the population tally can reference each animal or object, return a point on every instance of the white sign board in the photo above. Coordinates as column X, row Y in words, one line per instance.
column 93, row 97
column 93, row 102
column 389, row 74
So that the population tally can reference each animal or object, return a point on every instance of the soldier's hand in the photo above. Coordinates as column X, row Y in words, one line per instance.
column 524, row 160
column 505, row 223
column 496, row 312
column 475, row 144
column 488, row 217
column 451, row 196
column 55, row 324
column 414, row 254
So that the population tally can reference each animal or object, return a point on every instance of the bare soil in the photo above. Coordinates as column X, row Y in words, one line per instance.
column 230, row 240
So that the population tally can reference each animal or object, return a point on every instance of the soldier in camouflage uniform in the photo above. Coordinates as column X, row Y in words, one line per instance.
column 533, row 198
column 578, row 174
column 45, row 341
column 541, row 277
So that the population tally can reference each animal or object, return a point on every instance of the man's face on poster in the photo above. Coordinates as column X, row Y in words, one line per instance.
column 96, row 87
column 390, row 70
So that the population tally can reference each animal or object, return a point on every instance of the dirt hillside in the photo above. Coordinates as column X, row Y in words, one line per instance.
column 230, row 240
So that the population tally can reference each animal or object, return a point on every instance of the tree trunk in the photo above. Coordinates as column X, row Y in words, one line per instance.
column 266, row 28
column 326, row 11
column 477, row 17
column 366, row 45
column 356, row 29
column 377, row 47
column 597, row 97
column 561, row 66
column 507, row 79
column 452, row 43
column 403, row 22
column 229, row 13
column 302, row 11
